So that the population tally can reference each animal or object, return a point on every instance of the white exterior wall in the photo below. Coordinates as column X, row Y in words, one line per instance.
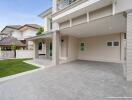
column 54, row 5
column 46, row 24
column 24, row 53
column 72, row 48
column 17, row 34
column 23, row 35
column 29, row 33
column 6, row 54
column 96, row 49
column 19, row 54
column 64, row 48
column 123, row 5
column 70, row 11
column 129, row 47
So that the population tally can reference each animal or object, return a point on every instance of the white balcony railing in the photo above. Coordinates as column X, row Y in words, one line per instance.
column 64, row 3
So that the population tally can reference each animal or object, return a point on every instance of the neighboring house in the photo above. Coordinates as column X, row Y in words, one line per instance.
column 6, row 44
column 2, row 36
column 96, row 30
column 21, row 33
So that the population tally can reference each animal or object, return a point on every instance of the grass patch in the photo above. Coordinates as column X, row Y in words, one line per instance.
column 14, row 66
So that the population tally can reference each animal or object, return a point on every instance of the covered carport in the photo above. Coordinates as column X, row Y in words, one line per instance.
column 101, row 40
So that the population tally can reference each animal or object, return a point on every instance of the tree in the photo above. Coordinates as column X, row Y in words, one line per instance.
column 14, row 47
column 40, row 31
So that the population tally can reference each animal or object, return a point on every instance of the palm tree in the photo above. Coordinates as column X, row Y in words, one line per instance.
column 40, row 31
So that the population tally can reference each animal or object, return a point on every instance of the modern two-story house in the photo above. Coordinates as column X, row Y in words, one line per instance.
column 94, row 30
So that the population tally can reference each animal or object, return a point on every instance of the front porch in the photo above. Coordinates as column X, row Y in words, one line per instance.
column 47, row 50
column 43, row 62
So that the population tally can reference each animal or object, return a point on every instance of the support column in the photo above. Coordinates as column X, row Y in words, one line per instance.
column 35, row 50
column 122, row 47
column 47, row 49
column 56, row 44
column 129, row 47
column 122, row 53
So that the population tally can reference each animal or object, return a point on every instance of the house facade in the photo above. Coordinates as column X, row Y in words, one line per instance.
column 94, row 30
column 20, row 33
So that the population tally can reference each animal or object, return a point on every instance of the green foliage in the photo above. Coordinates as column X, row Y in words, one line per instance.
column 13, row 47
column 40, row 31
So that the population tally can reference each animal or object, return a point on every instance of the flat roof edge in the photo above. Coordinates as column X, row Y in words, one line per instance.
column 45, row 13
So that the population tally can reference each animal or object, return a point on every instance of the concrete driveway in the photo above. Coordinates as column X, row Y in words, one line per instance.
column 79, row 80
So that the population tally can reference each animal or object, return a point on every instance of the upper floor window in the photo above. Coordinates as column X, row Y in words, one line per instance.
column 63, row 3
column 50, row 20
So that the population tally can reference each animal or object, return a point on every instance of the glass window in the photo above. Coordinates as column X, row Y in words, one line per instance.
column 40, row 46
column 50, row 24
column 125, row 36
column 82, row 46
column 109, row 44
column 63, row 3
column 116, row 43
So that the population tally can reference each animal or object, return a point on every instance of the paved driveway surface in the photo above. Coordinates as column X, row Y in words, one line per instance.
column 79, row 80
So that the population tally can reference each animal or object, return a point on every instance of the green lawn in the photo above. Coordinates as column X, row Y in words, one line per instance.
column 14, row 66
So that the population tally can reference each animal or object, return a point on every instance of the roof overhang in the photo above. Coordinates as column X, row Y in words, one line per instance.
column 103, row 26
column 46, row 13
column 27, row 26
column 42, row 36
column 8, row 29
column 73, row 11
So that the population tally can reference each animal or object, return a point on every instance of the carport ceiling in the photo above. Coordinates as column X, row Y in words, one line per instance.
column 106, row 25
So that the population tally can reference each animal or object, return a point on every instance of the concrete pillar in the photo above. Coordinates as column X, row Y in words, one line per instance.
column 55, row 50
column 122, row 47
column 35, row 49
column 122, row 53
column 46, row 24
column 47, row 48
column 129, row 47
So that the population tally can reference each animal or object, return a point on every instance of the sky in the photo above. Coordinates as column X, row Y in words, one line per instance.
column 20, row 12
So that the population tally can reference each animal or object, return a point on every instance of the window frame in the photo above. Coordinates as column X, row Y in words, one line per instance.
column 82, row 46
column 113, row 43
